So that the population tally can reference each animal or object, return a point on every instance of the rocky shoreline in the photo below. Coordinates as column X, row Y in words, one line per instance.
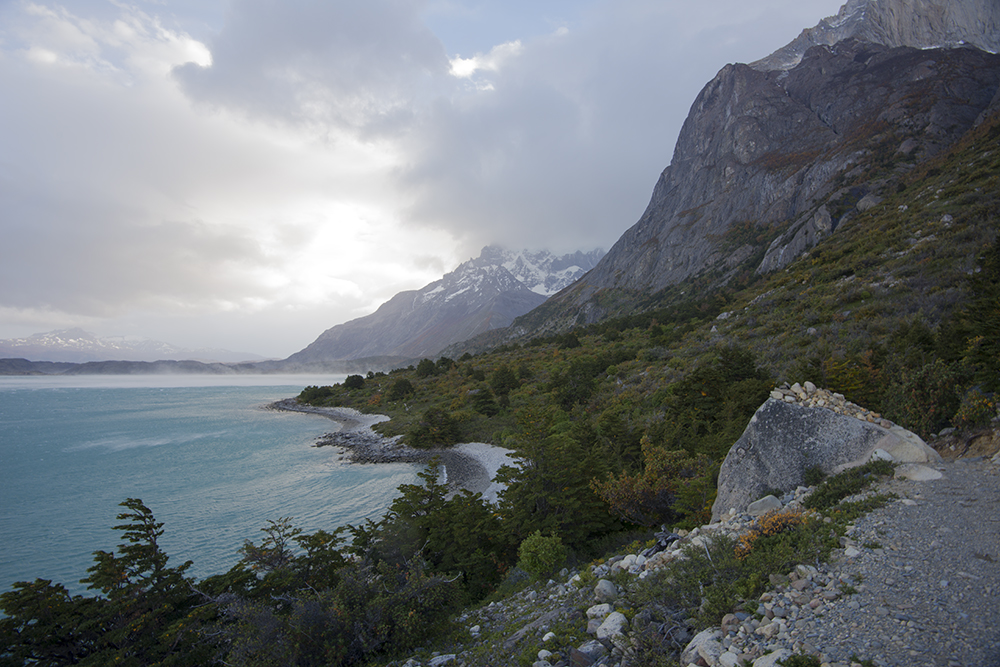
column 468, row 466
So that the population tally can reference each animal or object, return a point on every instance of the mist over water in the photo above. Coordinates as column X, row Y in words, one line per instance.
column 211, row 464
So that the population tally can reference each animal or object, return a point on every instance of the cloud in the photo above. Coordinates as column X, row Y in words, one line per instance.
column 305, row 161
column 343, row 63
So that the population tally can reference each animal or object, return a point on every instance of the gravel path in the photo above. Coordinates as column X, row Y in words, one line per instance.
column 928, row 595
column 916, row 583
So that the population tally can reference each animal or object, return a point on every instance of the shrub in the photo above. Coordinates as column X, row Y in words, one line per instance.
column 400, row 389
column 672, row 484
column 800, row 660
column 925, row 398
column 539, row 555
column 976, row 409
column 426, row 368
column 436, row 428
column 851, row 481
column 354, row 382
column 813, row 476
column 772, row 523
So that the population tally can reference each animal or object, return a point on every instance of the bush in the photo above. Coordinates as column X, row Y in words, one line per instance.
column 924, row 399
column 539, row 555
column 426, row 368
column 851, row 481
column 772, row 523
column 354, row 382
column 976, row 409
column 400, row 389
column 436, row 428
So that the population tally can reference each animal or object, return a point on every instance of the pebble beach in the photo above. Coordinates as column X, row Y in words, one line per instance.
column 470, row 466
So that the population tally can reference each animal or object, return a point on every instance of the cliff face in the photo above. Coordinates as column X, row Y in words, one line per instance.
column 917, row 23
column 771, row 150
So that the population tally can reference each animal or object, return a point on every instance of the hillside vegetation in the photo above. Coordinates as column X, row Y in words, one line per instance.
column 619, row 426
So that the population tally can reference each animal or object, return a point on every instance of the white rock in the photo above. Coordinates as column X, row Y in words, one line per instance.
column 605, row 591
column 475, row 630
column 729, row 659
column 910, row 448
column 916, row 472
column 705, row 645
column 600, row 611
column 544, row 655
column 852, row 552
column 549, row 636
column 612, row 626
column 441, row 660
column 763, row 506
column 771, row 659
column 809, row 387
column 881, row 455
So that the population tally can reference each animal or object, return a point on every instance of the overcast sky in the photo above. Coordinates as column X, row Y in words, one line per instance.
column 247, row 173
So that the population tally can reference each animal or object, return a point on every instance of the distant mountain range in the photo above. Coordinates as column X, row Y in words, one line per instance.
column 484, row 293
column 79, row 346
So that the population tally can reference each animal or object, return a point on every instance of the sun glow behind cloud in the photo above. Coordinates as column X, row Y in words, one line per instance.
column 299, row 163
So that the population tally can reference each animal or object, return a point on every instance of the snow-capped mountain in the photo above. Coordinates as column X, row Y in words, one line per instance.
column 482, row 294
column 541, row 271
column 79, row 346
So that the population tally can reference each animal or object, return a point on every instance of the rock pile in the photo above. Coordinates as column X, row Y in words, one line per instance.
column 810, row 396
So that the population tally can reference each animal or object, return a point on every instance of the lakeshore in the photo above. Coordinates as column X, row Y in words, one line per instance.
column 470, row 466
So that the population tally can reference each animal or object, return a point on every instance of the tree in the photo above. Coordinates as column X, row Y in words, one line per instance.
column 550, row 489
column 436, row 428
column 672, row 484
column 354, row 382
column 400, row 389
column 426, row 368
column 148, row 612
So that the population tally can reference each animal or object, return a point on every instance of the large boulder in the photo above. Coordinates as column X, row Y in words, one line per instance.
column 785, row 439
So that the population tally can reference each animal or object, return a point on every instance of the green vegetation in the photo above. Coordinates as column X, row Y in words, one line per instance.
column 617, row 426
column 539, row 555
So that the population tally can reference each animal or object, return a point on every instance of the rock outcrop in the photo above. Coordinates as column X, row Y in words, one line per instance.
column 922, row 24
column 801, row 428
column 766, row 148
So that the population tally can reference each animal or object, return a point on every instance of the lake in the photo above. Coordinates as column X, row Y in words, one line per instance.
column 200, row 451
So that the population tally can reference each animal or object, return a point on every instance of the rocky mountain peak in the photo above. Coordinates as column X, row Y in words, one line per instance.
column 921, row 24
column 484, row 293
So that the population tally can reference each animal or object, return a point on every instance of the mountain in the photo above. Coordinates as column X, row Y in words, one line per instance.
column 895, row 23
column 770, row 162
column 79, row 346
column 484, row 293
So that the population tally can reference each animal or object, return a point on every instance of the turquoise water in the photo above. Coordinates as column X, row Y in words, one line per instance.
column 211, row 464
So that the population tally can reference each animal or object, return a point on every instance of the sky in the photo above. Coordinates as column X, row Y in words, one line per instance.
column 245, row 174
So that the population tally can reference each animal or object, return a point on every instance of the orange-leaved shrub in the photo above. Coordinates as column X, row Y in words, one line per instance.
column 771, row 523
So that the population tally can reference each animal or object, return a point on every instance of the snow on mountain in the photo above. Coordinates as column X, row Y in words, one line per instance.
column 79, row 346
column 484, row 293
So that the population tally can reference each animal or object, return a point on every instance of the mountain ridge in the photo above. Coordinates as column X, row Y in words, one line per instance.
column 481, row 294
column 76, row 345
